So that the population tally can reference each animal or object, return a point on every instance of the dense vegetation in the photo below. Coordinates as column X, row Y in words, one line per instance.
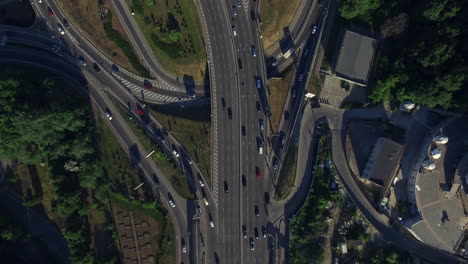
column 40, row 124
column 309, row 225
column 424, row 49
column 122, row 43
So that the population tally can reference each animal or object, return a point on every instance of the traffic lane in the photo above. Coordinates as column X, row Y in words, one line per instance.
column 123, row 133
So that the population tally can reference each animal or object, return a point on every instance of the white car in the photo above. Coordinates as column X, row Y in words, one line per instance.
column 314, row 29
column 200, row 181
column 60, row 29
column 211, row 224
column 109, row 116
column 175, row 153
column 171, row 203
column 234, row 32
column 205, row 201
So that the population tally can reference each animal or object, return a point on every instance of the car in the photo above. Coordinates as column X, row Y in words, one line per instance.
column 243, row 131
column 238, row 3
column 274, row 63
column 200, row 181
column 115, row 68
column 275, row 163
column 174, row 151
column 184, row 248
column 65, row 22
column 262, row 126
column 257, row 172
column 244, row 180
column 252, row 244
column 254, row 51
column 306, row 52
column 229, row 113
column 160, row 136
column 234, row 10
column 314, row 29
column 223, row 102
column 257, row 213
column 244, row 231
column 259, row 83
column 50, row 11
column 191, row 94
column 234, row 32
column 211, row 224
column 264, row 233
column 252, row 14
column 301, row 77
column 109, row 116
column 226, row 187
column 171, row 203
column 256, row 233
column 81, row 61
column 257, row 104
column 147, row 84
column 140, row 112
column 60, row 29
column 205, row 201
column 96, row 67
column 39, row 1
column 294, row 93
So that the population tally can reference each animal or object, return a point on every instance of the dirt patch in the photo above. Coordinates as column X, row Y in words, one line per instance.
column 84, row 14
column 139, row 236
column 275, row 16
column 278, row 92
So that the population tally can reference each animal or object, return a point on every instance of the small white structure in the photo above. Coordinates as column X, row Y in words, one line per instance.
column 408, row 105
column 428, row 165
column 441, row 140
column 343, row 248
column 435, row 154
column 309, row 95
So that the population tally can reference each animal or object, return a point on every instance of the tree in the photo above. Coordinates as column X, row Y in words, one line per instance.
column 174, row 36
column 440, row 10
column 394, row 26
column 149, row 2
column 353, row 8
column 71, row 166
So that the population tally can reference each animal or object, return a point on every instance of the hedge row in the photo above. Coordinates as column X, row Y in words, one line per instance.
column 123, row 44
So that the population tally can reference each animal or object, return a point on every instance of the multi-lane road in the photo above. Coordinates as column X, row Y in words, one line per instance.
column 242, row 177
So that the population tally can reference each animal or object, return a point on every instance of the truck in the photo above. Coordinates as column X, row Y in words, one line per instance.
column 288, row 53
column 260, row 148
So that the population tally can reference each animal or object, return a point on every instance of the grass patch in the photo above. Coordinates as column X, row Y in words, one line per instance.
column 84, row 14
column 173, row 32
column 275, row 16
column 192, row 128
column 314, row 84
column 279, row 89
column 309, row 225
column 287, row 174
column 162, row 159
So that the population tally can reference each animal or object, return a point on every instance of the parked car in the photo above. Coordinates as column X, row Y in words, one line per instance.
column 50, row 11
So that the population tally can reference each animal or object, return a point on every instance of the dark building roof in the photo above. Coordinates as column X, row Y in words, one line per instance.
column 355, row 57
column 383, row 162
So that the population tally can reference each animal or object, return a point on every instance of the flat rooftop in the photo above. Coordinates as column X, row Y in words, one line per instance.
column 383, row 161
column 443, row 218
column 355, row 57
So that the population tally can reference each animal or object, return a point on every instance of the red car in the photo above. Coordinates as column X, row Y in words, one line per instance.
column 148, row 85
column 50, row 11
column 140, row 111
column 257, row 172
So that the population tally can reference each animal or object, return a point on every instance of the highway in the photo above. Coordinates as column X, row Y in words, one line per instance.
column 165, row 89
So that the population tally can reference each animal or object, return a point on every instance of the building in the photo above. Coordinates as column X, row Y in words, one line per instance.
column 355, row 58
column 383, row 162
